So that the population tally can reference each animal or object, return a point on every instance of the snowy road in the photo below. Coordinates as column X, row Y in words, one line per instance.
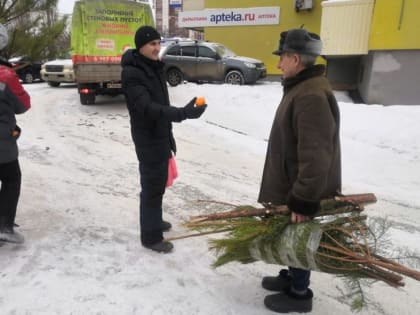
column 79, row 206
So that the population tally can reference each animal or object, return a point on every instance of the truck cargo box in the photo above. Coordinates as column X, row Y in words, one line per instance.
column 101, row 32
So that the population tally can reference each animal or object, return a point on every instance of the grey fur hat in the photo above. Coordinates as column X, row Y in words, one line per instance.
column 299, row 41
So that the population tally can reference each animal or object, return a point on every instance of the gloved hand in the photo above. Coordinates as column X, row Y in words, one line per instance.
column 302, row 208
column 191, row 111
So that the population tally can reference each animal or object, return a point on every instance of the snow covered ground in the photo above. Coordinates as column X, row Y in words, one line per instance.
column 79, row 204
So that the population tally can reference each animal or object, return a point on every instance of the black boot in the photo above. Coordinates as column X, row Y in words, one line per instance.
column 165, row 226
column 160, row 247
column 280, row 283
column 288, row 302
column 11, row 236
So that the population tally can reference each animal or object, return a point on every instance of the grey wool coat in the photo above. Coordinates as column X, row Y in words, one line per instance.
column 303, row 163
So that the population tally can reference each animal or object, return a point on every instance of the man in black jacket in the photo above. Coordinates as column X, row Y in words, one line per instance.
column 151, row 117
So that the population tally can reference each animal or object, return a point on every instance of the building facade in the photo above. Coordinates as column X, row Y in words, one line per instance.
column 166, row 12
column 253, row 36
column 371, row 47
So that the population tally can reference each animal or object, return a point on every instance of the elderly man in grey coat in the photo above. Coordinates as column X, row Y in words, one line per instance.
column 303, row 163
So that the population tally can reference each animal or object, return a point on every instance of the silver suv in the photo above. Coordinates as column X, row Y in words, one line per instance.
column 58, row 71
column 200, row 61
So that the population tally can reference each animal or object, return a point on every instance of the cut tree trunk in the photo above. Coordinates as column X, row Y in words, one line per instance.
column 336, row 205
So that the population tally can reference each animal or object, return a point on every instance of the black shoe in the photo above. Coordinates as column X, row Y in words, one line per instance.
column 165, row 226
column 280, row 283
column 161, row 247
column 11, row 236
column 287, row 302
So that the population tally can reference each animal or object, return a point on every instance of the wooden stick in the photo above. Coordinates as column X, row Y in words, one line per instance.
column 360, row 199
column 212, row 224
column 380, row 277
column 395, row 267
column 216, row 202
column 374, row 272
column 389, row 275
column 195, row 235
column 239, row 212
column 336, row 205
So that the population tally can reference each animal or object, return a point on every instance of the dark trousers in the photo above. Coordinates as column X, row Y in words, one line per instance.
column 153, row 178
column 300, row 278
column 10, row 178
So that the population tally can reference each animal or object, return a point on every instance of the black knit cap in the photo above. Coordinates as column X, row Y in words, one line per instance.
column 144, row 35
column 299, row 41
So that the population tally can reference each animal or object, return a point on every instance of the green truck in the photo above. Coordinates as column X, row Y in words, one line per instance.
column 101, row 31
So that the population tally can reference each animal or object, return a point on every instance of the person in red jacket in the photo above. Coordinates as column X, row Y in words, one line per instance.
column 13, row 100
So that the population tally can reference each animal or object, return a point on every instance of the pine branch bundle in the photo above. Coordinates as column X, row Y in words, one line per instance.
column 337, row 241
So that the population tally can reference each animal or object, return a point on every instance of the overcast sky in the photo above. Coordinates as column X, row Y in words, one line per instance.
column 66, row 6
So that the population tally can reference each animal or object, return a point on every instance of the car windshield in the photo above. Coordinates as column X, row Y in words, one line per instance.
column 224, row 51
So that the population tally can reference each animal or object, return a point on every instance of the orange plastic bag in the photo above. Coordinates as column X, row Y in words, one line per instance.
column 172, row 171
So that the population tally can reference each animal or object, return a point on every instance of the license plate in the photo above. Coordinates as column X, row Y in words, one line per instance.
column 114, row 85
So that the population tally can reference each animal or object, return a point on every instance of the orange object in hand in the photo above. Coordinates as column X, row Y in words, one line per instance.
column 200, row 101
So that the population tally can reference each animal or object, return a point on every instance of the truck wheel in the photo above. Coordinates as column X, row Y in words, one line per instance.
column 174, row 77
column 53, row 83
column 87, row 99
column 29, row 78
column 234, row 77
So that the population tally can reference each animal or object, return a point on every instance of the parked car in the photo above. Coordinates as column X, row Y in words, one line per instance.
column 200, row 61
column 57, row 71
column 172, row 40
column 26, row 69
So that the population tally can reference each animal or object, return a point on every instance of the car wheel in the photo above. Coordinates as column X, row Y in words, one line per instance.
column 87, row 99
column 53, row 83
column 174, row 77
column 234, row 77
column 29, row 78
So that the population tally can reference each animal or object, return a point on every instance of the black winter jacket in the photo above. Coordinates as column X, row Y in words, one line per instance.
column 151, row 116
